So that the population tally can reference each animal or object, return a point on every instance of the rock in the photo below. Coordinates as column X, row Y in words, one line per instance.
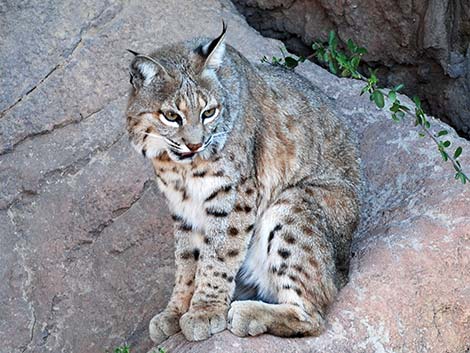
column 85, row 236
column 403, row 39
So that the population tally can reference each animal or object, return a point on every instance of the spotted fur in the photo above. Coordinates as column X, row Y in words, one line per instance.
column 262, row 183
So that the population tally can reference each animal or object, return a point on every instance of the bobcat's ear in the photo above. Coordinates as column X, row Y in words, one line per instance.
column 144, row 70
column 214, row 51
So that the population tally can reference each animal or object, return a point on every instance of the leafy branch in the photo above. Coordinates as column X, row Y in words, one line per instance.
column 286, row 61
column 347, row 65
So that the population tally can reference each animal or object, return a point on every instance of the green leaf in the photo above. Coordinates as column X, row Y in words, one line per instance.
column 461, row 177
column 361, row 51
column 364, row 89
column 404, row 108
column 446, row 143
column 351, row 46
column 419, row 120
column 392, row 96
column 291, row 62
column 420, row 112
column 395, row 118
column 373, row 77
column 399, row 87
column 124, row 349
column 421, row 134
column 332, row 67
column 442, row 133
column 316, row 46
column 378, row 98
column 444, row 155
column 417, row 101
column 332, row 40
column 342, row 59
column 395, row 107
column 427, row 124
column 355, row 62
column 458, row 152
column 345, row 73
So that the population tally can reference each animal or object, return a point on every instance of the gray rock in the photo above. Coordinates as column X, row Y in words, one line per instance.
column 457, row 66
column 86, row 248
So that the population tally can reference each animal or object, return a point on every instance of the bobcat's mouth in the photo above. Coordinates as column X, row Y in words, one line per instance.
column 204, row 152
column 188, row 155
column 185, row 155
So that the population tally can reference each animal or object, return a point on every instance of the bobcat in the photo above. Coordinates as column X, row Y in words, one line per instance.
column 262, row 183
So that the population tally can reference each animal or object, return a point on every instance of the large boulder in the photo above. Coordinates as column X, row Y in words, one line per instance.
column 85, row 237
column 424, row 44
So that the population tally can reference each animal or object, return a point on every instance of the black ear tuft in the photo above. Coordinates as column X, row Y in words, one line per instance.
column 214, row 50
column 132, row 52
column 209, row 48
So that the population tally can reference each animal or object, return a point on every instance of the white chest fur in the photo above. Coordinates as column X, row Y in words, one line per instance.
column 187, row 195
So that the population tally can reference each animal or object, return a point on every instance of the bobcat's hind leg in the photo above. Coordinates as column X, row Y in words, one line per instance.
column 292, row 260
column 252, row 318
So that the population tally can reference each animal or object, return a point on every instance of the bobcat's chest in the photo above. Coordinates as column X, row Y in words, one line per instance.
column 188, row 192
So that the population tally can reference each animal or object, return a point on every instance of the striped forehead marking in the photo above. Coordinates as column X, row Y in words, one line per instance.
column 189, row 96
column 188, row 93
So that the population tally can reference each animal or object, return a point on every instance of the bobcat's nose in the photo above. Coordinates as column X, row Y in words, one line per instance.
column 194, row 146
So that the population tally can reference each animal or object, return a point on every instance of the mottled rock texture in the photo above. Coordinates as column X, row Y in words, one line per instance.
column 424, row 44
column 85, row 242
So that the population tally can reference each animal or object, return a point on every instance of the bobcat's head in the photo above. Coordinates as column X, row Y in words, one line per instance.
column 177, row 102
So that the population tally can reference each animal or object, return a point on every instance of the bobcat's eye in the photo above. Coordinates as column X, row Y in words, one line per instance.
column 209, row 115
column 171, row 118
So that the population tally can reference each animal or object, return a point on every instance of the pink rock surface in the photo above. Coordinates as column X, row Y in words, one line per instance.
column 86, row 249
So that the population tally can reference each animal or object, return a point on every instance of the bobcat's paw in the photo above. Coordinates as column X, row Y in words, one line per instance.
column 198, row 325
column 163, row 326
column 244, row 318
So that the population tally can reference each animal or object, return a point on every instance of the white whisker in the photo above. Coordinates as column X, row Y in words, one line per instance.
column 172, row 144
column 219, row 133
column 153, row 135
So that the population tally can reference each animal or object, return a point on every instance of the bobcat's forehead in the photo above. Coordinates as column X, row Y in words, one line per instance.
column 190, row 97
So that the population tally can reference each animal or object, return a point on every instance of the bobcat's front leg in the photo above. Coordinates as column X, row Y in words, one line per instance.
column 166, row 323
column 230, row 220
